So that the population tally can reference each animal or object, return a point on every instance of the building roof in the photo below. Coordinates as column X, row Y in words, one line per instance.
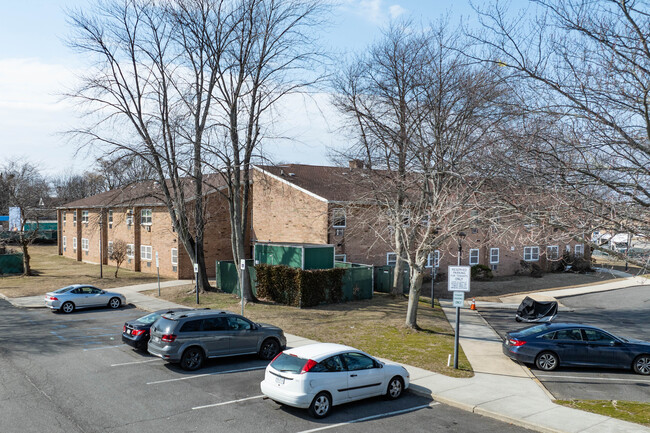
column 335, row 184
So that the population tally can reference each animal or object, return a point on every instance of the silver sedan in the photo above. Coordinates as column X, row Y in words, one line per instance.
column 76, row 296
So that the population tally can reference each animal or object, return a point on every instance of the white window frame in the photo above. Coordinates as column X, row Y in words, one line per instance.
column 146, row 217
column 110, row 219
column 85, row 245
column 492, row 255
column 84, row 216
column 130, row 250
column 433, row 259
column 109, row 248
column 145, row 252
column 74, row 244
column 338, row 210
column 552, row 252
column 63, row 217
column 531, row 254
column 65, row 242
column 339, row 256
column 129, row 217
column 74, row 218
column 174, row 255
column 406, row 218
column 390, row 262
column 474, row 256
column 579, row 247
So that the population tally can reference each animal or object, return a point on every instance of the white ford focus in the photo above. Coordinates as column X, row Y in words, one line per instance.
column 319, row 376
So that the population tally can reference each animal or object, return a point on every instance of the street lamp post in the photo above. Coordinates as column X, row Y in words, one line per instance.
column 461, row 236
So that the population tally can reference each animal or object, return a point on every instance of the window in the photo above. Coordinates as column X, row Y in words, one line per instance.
column 110, row 219
column 339, row 257
column 65, row 243
column 329, row 365
column 494, row 256
column 145, row 252
column 579, row 250
column 425, row 220
column 339, row 232
column 174, row 256
column 474, row 230
column 110, row 247
column 548, row 336
column 145, row 217
column 531, row 254
column 129, row 217
column 191, row 326
column 597, row 336
column 357, row 361
column 473, row 256
column 215, row 324
column 63, row 217
column 238, row 324
column 84, row 216
column 552, row 252
column 338, row 218
column 84, row 244
column 433, row 259
column 569, row 334
column 391, row 259
column 74, row 218
column 74, row 244
column 406, row 218
column 130, row 250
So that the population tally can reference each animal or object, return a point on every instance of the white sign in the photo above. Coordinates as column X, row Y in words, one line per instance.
column 157, row 261
column 458, row 278
column 196, row 268
column 459, row 299
column 242, row 264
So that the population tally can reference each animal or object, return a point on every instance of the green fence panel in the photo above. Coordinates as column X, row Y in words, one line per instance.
column 228, row 276
column 319, row 257
column 345, row 265
column 357, row 283
column 11, row 264
column 279, row 255
column 384, row 279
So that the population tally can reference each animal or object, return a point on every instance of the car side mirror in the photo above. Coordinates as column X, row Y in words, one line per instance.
column 103, row 292
column 614, row 343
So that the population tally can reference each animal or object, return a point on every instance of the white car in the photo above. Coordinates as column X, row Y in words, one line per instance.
column 319, row 376
column 78, row 296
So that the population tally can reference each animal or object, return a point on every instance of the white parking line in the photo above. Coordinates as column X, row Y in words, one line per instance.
column 368, row 418
column 228, row 402
column 135, row 362
column 623, row 379
column 203, row 375
column 103, row 347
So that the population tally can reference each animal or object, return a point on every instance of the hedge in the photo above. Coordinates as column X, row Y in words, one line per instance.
column 298, row 287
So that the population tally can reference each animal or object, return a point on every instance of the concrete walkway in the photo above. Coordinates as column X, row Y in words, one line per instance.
column 500, row 388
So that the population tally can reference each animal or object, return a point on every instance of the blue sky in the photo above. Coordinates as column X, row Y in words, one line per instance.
column 36, row 67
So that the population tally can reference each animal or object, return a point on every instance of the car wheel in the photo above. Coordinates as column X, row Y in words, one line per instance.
column 642, row 365
column 192, row 359
column 547, row 361
column 321, row 405
column 269, row 349
column 67, row 307
column 114, row 303
column 395, row 388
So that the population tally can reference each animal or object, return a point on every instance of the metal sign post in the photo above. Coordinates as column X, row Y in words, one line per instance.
column 158, row 271
column 458, row 283
column 242, row 268
column 196, row 278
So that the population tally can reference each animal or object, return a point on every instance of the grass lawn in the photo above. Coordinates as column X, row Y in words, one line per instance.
column 375, row 326
column 632, row 411
column 52, row 271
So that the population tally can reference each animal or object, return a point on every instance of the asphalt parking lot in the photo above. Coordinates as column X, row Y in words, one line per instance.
column 71, row 373
column 624, row 312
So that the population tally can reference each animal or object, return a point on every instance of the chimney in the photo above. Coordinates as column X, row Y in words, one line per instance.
column 356, row 163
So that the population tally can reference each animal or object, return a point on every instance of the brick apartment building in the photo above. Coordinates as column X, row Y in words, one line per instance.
column 298, row 203
column 137, row 216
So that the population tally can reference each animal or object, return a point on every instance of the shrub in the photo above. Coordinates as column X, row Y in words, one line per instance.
column 481, row 273
column 532, row 269
column 536, row 271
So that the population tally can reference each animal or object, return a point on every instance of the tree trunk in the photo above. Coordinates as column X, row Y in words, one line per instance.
column 27, row 271
column 398, row 277
column 415, row 277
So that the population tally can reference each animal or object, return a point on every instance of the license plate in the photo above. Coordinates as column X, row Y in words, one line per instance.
column 128, row 331
column 279, row 380
column 154, row 338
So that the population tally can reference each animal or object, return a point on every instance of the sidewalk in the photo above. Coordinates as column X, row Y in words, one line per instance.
column 500, row 388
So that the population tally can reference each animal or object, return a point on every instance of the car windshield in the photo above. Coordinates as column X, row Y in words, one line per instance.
column 148, row 319
column 64, row 289
column 532, row 330
column 290, row 363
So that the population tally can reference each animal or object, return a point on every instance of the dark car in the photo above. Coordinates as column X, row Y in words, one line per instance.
column 189, row 337
column 569, row 344
column 136, row 332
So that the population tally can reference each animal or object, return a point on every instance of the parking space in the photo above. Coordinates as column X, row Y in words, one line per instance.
column 624, row 312
column 78, row 374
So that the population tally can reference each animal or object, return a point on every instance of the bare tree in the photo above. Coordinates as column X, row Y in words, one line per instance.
column 423, row 117
column 118, row 171
column 583, row 91
column 71, row 187
column 118, row 255
column 25, row 187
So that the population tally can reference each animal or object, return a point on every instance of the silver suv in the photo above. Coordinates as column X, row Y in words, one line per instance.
column 189, row 337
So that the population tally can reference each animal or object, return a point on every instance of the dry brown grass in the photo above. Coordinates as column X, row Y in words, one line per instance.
column 375, row 326
column 52, row 271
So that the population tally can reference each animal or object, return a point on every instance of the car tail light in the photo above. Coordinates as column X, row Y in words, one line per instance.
column 137, row 332
column 516, row 343
column 308, row 366
column 168, row 338
column 52, row 298
column 124, row 329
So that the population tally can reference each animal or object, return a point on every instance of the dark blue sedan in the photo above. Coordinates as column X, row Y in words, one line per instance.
column 136, row 332
column 569, row 344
